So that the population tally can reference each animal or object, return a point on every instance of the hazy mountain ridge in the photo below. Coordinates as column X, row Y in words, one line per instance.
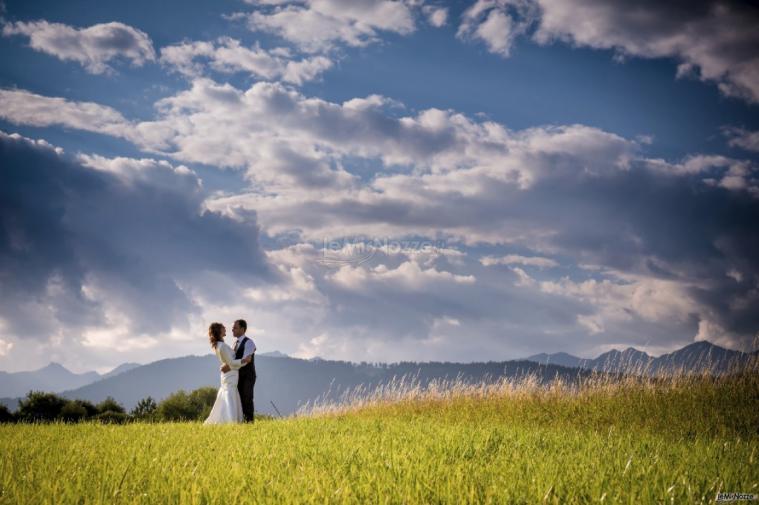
column 53, row 378
column 291, row 382
column 692, row 357
column 124, row 367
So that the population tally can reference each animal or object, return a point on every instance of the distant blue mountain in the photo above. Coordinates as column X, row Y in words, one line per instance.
column 557, row 358
column 125, row 367
column 694, row 357
column 273, row 354
column 291, row 383
column 54, row 378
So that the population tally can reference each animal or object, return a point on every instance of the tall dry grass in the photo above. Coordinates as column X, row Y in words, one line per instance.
column 704, row 399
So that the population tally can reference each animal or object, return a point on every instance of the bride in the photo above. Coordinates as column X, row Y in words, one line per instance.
column 227, row 408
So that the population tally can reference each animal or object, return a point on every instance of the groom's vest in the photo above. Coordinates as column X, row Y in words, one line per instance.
column 248, row 370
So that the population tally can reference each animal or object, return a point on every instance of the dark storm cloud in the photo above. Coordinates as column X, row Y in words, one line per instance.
column 139, row 239
column 669, row 227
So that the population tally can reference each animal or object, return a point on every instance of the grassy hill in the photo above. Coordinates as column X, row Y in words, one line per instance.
column 679, row 440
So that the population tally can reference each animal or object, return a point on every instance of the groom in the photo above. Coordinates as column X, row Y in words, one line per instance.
column 244, row 347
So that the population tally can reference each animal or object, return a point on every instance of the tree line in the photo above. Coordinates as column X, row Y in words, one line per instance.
column 39, row 406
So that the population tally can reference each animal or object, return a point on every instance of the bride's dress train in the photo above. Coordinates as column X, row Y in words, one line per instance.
column 227, row 408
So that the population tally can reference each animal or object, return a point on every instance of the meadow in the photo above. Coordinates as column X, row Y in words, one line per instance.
column 678, row 439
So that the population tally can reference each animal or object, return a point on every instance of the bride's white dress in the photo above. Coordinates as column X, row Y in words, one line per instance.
column 227, row 408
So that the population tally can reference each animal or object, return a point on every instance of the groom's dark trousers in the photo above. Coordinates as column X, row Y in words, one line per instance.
column 246, row 381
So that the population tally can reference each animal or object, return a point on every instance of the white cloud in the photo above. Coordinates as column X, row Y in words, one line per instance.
column 437, row 16
column 442, row 174
column 713, row 332
column 35, row 143
column 23, row 107
column 735, row 275
column 297, row 148
column 515, row 259
column 114, row 331
column 292, row 142
column 226, row 55
column 5, row 347
column 592, row 323
column 497, row 23
column 720, row 171
column 93, row 47
column 621, row 296
column 158, row 173
column 745, row 139
column 714, row 40
column 320, row 25
column 409, row 276
column 523, row 279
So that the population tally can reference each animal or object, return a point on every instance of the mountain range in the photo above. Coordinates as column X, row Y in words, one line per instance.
column 292, row 383
column 691, row 358
column 53, row 378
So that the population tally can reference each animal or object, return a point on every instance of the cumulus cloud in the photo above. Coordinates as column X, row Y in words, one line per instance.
column 624, row 296
column 291, row 142
column 673, row 228
column 27, row 108
column 107, row 253
column 714, row 40
column 745, row 139
column 721, row 171
column 132, row 171
column 92, row 47
column 477, row 191
column 321, row 25
column 496, row 23
column 409, row 276
column 227, row 55
column 5, row 347
column 436, row 16
column 24, row 107
column 515, row 259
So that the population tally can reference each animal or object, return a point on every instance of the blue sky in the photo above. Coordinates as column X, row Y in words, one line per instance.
column 546, row 183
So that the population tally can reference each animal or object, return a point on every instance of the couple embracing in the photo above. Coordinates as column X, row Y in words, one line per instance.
column 234, row 401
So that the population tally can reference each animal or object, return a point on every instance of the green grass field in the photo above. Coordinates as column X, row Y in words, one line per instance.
column 677, row 442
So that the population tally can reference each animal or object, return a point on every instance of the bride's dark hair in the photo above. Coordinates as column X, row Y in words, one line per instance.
column 214, row 334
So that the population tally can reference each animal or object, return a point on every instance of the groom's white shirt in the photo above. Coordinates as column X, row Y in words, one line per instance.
column 250, row 348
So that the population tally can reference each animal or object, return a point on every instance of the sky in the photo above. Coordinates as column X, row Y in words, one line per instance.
column 382, row 181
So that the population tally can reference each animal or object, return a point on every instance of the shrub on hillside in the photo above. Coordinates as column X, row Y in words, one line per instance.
column 6, row 416
column 176, row 407
column 73, row 411
column 110, row 405
column 91, row 409
column 145, row 410
column 39, row 406
column 78, row 410
column 203, row 400
column 183, row 406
